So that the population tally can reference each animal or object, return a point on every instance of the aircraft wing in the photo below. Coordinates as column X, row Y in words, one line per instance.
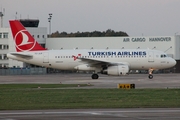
column 22, row 55
column 94, row 62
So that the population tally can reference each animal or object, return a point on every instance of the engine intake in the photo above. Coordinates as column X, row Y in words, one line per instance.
column 117, row 70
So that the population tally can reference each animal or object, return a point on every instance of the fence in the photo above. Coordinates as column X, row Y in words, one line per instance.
column 24, row 71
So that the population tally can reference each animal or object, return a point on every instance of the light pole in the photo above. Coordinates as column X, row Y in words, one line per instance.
column 49, row 20
column 1, row 16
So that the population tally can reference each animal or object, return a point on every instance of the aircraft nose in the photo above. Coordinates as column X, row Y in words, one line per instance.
column 173, row 62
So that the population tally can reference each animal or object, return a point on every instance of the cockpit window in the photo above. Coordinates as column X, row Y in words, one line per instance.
column 163, row 55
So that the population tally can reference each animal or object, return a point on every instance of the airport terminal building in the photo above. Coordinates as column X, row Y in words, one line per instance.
column 168, row 44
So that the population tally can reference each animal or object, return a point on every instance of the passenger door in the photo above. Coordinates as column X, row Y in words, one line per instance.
column 46, row 57
column 151, row 56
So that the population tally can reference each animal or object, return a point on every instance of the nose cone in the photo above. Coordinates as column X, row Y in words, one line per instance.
column 171, row 62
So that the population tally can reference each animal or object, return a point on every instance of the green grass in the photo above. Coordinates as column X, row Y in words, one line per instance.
column 33, row 98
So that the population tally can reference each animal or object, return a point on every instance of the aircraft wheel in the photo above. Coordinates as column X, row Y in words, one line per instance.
column 95, row 76
column 150, row 76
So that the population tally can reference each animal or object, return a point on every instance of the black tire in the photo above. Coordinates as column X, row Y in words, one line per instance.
column 95, row 76
column 150, row 76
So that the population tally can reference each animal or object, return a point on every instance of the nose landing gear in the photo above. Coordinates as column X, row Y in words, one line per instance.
column 150, row 73
column 150, row 76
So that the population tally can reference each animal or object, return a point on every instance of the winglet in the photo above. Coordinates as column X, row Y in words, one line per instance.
column 23, row 39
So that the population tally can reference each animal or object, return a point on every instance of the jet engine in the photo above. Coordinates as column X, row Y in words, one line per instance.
column 116, row 70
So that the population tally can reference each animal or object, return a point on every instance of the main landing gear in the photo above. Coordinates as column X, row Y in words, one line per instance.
column 150, row 73
column 95, row 76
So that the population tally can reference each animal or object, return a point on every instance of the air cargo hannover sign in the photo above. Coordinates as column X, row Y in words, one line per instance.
column 151, row 39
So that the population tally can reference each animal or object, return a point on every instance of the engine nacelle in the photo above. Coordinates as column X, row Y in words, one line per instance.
column 84, row 67
column 117, row 70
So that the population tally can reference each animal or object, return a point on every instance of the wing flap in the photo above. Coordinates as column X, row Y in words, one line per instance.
column 94, row 62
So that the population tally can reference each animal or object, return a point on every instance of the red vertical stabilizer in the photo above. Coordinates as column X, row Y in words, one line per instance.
column 23, row 39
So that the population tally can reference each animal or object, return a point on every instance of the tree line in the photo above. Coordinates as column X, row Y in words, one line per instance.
column 107, row 33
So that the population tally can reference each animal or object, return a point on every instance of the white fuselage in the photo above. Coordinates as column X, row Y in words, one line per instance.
column 70, row 59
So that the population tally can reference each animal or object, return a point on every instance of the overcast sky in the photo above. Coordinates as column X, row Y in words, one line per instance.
column 135, row 17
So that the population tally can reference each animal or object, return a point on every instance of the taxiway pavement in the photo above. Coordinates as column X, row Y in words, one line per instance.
column 140, row 80
column 94, row 114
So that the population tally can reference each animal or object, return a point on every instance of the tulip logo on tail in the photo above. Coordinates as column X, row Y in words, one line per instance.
column 22, row 41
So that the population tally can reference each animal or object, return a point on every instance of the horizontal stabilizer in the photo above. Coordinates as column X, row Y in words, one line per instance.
column 22, row 55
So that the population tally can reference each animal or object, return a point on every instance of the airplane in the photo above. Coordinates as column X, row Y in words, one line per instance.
column 115, row 62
